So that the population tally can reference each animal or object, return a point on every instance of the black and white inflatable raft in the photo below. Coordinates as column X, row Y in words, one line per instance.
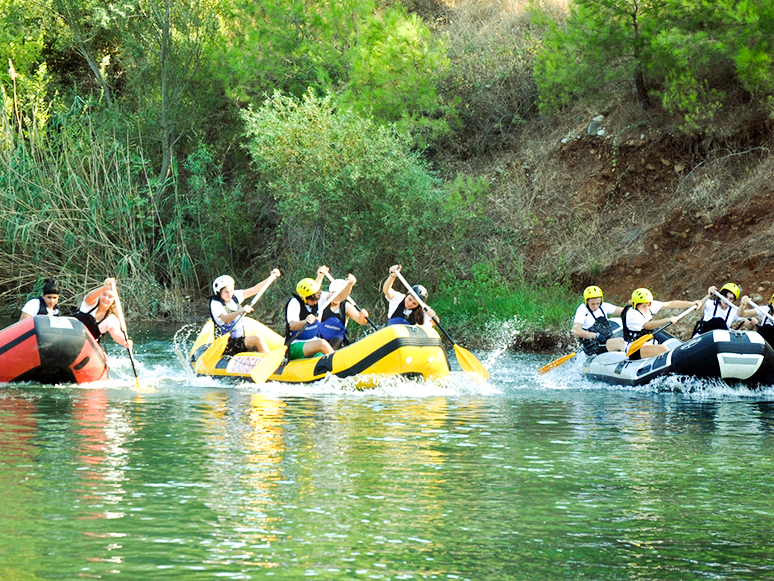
column 729, row 355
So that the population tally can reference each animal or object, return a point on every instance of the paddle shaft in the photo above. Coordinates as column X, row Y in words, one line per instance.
column 761, row 310
column 636, row 345
column 422, row 304
column 351, row 301
column 122, row 324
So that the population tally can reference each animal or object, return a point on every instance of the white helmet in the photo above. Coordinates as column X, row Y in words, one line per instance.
column 337, row 286
column 221, row 282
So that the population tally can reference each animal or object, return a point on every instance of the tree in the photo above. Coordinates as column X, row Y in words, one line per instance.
column 687, row 53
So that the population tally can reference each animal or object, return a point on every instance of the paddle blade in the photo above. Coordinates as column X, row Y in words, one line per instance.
column 470, row 364
column 214, row 352
column 556, row 363
column 268, row 365
column 637, row 345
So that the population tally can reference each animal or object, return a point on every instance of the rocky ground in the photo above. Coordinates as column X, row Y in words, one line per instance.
column 633, row 202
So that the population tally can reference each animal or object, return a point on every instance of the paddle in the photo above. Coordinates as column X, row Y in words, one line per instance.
column 761, row 310
column 637, row 345
column 749, row 302
column 122, row 324
column 215, row 351
column 466, row 359
column 351, row 301
column 557, row 362
column 268, row 365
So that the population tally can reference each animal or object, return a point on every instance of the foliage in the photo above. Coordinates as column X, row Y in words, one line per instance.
column 394, row 70
column 345, row 189
column 487, row 297
column 675, row 50
column 74, row 207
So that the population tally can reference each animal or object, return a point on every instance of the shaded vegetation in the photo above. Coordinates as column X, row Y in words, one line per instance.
column 170, row 141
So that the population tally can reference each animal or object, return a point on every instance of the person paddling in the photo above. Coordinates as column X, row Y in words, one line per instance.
column 99, row 315
column 638, row 320
column 302, row 326
column 718, row 314
column 45, row 304
column 404, row 309
column 335, row 315
column 227, row 314
column 592, row 326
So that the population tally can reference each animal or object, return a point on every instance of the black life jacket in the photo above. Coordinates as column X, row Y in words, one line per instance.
column 310, row 331
column 628, row 334
column 396, row 316
column 720, row 323
column 90, row 322
column 602, row 326
column 42, row 310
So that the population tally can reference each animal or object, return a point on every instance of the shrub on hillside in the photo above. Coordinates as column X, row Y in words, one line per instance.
column 346, row 191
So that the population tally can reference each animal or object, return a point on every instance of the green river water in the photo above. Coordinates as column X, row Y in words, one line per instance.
column 525, row 477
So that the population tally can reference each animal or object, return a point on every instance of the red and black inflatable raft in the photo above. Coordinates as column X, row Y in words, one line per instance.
column 50, row 350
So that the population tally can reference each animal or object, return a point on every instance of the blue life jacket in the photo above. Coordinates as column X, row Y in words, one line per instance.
column 334, row 325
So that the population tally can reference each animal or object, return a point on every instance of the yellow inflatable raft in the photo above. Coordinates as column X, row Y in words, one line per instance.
column 404, row 350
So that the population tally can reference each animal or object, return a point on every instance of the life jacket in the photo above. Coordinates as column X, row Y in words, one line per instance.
column 720, row 323
column 311, row 331
column 218, row 328
column 90, row 322
column 395, row 319
column 628, row 334
column 333, row 326
column 602, row 326
column 42, row 310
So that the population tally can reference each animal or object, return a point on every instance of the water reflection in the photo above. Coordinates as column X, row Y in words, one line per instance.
column 520, row 478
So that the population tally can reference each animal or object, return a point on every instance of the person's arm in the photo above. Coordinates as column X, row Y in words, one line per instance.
column 710, row 293
column 321, row 272
column 114, row 328
column 24, row 313
column 93, row 296
column 342, row 295
column 255, row 289
column 579, row 331
column 361, row 316
column 387, row 286
column 743, row 312
column 680, row 304
column 293, row 314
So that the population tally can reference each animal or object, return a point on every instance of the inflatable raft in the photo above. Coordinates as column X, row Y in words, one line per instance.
column 396, row 350
column 50, row 350
column 742, row 356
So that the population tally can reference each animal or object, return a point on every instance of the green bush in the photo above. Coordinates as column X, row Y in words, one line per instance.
column 345, row 190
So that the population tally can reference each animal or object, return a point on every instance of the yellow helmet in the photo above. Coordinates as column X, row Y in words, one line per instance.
column 771, row 300
column 641, row 295
column 592, row 292
column 734, row 288
column 306, row 287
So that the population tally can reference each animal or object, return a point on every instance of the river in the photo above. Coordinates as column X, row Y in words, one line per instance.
column 524, row 477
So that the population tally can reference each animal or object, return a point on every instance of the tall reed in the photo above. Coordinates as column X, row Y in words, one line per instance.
column 77, row 205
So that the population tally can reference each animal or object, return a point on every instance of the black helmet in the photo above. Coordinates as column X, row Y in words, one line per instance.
column 420, row 291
